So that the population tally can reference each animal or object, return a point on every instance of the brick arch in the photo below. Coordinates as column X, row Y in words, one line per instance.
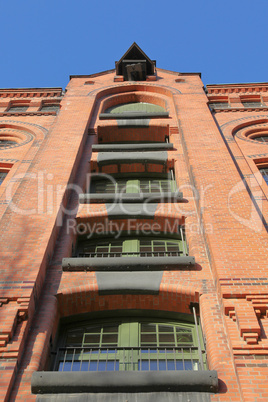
column 155, row 94
column 231, row 127
column 250, row 131
column 37, row 132
column 80, row 299
column 249, row 123
column 133, row 97
column 149, row 88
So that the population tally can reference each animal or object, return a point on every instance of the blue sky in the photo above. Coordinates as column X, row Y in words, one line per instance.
column 43, row 42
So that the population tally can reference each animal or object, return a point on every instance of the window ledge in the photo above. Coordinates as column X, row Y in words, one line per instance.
column 131, row 147
column 137, row 115
column 108, row 158
column 92, row 198
column 126, row 263
column 33, row 113
column 46, row 382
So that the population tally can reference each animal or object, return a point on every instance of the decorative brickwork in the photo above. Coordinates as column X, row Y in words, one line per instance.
column 212, row 159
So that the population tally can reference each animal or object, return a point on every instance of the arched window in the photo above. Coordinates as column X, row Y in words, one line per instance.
column 129, row 345
column 133, row 110
column 135, row 107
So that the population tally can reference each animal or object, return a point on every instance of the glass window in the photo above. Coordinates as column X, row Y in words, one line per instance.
column 219, row 105
column 18, row 108
column 264, row 172
column 131, row 247
column 2, row 176
column 50, row 108
column 126, row 344
column 261, row 138
column 162, row 184
column 6, row 143
column 135, row 107
column 249, row 104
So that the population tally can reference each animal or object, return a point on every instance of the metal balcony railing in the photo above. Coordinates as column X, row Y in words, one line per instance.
column 129, row 358
column 132, row 254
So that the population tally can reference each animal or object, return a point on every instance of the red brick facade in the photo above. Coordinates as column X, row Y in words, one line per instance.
column 216, row 163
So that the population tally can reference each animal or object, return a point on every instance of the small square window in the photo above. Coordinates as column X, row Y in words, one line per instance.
column 253, row 104
column 50, row 108
column 219, row 105
column 18, row 108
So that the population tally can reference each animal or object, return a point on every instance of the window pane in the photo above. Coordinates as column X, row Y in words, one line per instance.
column 148, row 328
column 18, row 109
column 75, row 338
column 92, row 339
column 135, row 107
column 110, row 328
column 6, row 143
column 166, row 338
column 252, row 104
column 264, row 173
column 184, row 335
column 219, row 105
column 109, row 338
column 148, row 338
column 165, row 328
column 261, row 138
column 50, row 108
column 2, row 176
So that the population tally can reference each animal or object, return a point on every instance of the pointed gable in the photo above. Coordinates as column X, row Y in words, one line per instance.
column 135, row 65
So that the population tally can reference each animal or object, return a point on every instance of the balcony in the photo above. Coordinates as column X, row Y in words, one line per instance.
column 129, row 188
column 129, row 355
column 130, row 254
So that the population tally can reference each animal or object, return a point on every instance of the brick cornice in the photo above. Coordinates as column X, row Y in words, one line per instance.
column 237, row 88
column 38, row 113
column 30, row 92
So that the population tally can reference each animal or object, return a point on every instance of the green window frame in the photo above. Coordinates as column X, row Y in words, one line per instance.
column 114, row 184
column 131, row 345
column 133, row 247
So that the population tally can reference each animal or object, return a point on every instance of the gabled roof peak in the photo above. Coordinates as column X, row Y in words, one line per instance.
column 135, row 65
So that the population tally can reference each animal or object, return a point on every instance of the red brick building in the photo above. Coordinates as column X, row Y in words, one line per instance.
column 134, row 211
